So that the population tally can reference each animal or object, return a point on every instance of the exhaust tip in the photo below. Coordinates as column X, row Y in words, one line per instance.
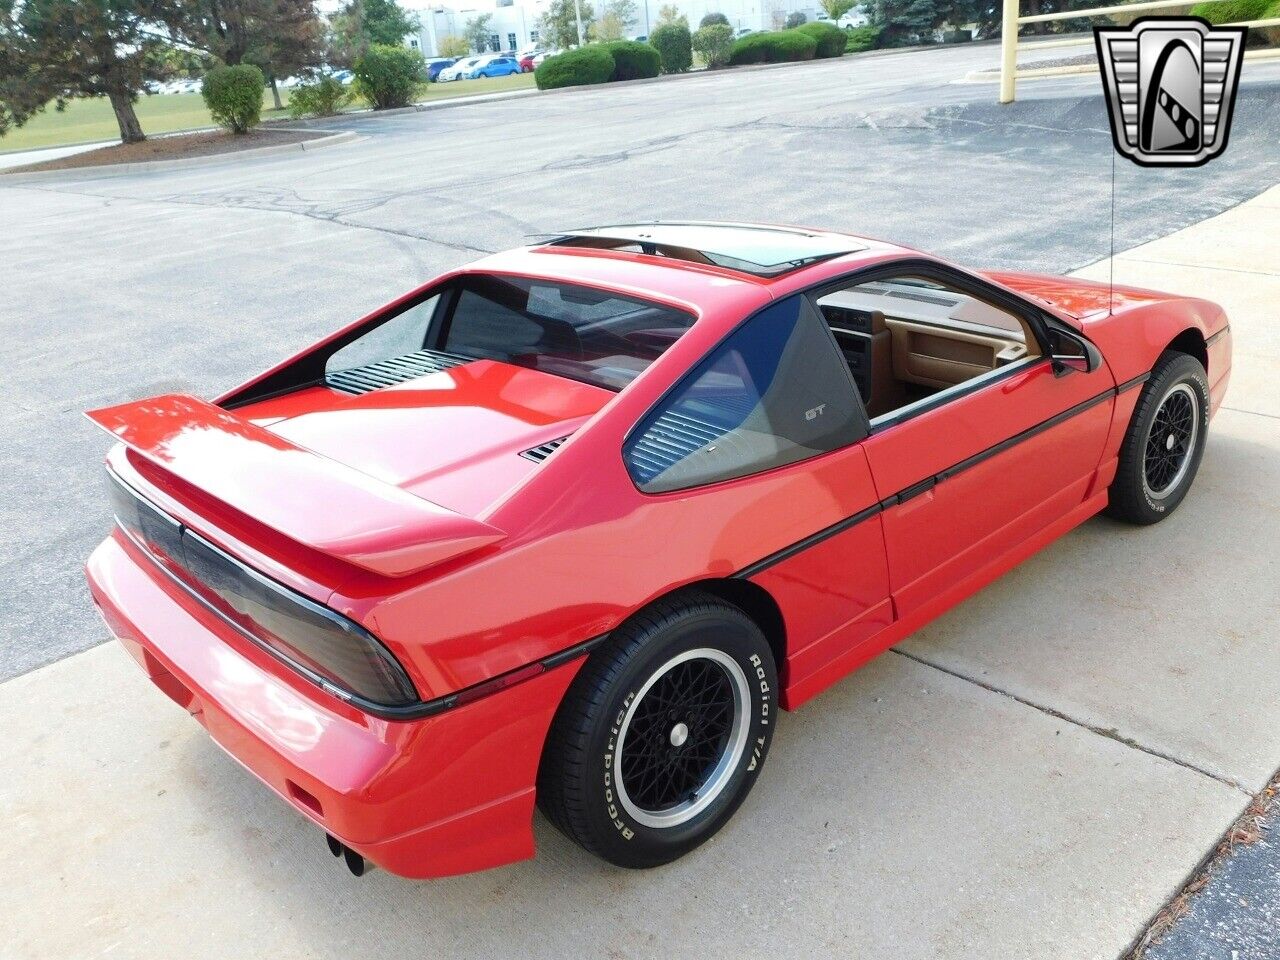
column 334, row 844
column 355, row 863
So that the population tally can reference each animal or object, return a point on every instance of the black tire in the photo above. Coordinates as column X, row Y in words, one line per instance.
column 617, row 770
column 1164, row 445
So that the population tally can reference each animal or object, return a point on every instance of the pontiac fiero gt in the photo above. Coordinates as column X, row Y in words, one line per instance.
column 570, row 525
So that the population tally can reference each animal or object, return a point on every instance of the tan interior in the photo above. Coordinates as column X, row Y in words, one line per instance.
column 904, row 339
column 934, row 357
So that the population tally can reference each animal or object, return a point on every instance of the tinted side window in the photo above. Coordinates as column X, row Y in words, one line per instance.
column 775, row 392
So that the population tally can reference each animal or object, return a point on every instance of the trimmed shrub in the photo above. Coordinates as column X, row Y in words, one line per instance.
column 861, row 38
column 388, row 75
column 321, row 98
column 1235, row 11
column 795, row 20
column 234, row 96
column 829, row 38
column 713, row 42
column 1232, row 11
column 633, row 60
column 779, row 46
column 575, row 68
column 711, row 18
column 675, row 45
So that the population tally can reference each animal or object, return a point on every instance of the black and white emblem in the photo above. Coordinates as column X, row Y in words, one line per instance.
column 1171, row 85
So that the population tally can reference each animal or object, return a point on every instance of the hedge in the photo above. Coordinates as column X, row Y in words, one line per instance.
column 234, row 96
column 575, row 68
column 320, row 98
column 1235, row 11
column 388, row 75
column 633, row 60
column 674, row 42
column 861, row 38
column 779, row 46
column 829, row 38
column 714, row 42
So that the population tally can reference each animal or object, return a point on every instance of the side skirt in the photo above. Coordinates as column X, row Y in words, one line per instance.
column 803, row 689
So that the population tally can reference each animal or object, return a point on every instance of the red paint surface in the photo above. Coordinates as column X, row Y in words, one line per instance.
column 410, row 511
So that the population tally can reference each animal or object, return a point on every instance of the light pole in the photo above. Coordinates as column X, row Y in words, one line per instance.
column 577, row 8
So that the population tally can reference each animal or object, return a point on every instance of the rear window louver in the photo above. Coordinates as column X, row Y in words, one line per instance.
column 676, row 435
column 384, row 373
column 543, row 450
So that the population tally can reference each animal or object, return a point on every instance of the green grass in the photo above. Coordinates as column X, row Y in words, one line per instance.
column 90, row 120
column 470, row 88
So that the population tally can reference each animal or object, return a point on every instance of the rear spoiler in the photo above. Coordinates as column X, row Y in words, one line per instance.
column 314, row 501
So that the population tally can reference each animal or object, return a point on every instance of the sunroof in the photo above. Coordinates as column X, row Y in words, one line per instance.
column 759, row 251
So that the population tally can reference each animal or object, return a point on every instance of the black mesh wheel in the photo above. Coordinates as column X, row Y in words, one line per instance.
column 662, row 733
column 1162, row 449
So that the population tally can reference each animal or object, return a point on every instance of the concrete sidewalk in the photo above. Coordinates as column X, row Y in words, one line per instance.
column 1033, row 776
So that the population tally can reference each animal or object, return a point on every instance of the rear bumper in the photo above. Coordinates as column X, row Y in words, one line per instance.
column 447, row 794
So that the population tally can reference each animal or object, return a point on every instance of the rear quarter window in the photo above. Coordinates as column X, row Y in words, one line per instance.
column 775, row 392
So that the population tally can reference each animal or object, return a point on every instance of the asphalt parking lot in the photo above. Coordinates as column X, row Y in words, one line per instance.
column 1033, row 776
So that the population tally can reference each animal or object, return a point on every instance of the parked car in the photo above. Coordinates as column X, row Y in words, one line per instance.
column 665, row 479
column 540, row 58
column 343, row 76
column 526, row 61
column 435, row 65
column 459, row 69
column 495, row 67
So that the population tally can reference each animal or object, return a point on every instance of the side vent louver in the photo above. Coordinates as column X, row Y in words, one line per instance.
column 384, row 373
column 543, row 450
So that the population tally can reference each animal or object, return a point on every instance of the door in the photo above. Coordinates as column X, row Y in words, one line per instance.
column 754, row 458
column 977, row 440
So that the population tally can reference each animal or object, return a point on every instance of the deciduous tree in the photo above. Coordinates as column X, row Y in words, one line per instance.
column 363, row 22
column 477, row 32
column 670, row 13
column 835, row 9
column 454, row 47
column 558, row 26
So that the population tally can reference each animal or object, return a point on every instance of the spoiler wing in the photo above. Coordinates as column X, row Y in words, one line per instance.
column 322, row 504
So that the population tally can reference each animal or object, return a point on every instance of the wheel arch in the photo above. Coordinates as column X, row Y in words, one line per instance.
column 758, row 604
column 1191, row 342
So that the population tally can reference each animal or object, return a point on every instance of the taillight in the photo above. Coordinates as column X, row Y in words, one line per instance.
column 304, row 632
column 336, row 652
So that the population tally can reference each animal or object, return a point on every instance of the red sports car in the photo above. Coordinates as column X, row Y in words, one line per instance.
column 571, row 524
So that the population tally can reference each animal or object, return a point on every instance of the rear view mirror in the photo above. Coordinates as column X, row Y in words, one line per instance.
column 1070, row 351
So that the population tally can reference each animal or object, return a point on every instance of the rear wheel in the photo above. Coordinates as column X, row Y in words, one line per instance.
column 1162, row 450
column 662, row 734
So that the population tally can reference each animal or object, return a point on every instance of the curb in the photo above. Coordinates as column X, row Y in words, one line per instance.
column 143, row 166
column 1033, row 73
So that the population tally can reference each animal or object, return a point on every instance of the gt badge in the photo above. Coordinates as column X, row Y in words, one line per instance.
column 1171, row 85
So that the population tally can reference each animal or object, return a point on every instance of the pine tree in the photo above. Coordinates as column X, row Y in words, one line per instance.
column 54, row 50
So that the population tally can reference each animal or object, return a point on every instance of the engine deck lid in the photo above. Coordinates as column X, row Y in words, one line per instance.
column 327, row 506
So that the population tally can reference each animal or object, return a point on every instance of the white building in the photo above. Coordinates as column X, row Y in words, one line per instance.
column 512, row 26
column 514, row 23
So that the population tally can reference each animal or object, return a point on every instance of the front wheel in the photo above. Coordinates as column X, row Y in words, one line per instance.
column 1161, row 452
column 662, row 734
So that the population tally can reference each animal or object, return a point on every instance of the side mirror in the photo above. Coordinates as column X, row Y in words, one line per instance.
column 1072, row 352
